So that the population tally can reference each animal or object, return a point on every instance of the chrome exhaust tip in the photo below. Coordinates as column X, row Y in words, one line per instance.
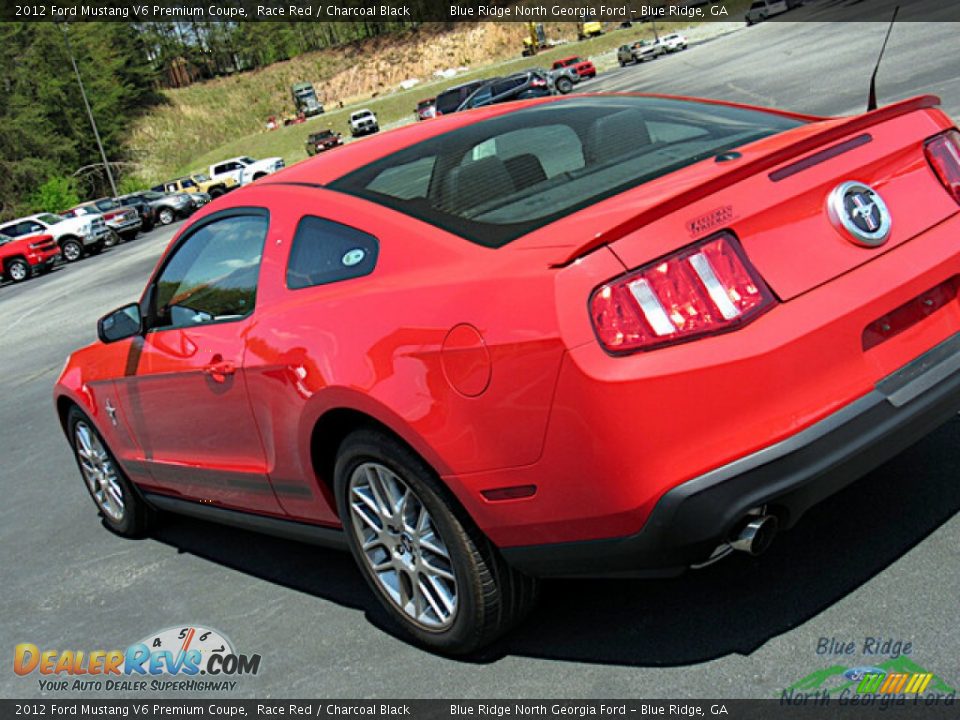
column 755, row 537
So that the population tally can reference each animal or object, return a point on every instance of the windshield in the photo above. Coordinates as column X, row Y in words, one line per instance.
column 200, row 177
column 496, row 180
column 106, row 204
column 247, row 160
column 49, row 219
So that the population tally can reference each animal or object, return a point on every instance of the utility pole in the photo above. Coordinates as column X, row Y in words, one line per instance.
column 86, row 104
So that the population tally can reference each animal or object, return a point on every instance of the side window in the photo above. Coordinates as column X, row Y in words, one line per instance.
column 220, row 169
column 212, row 276
column 171, row 187
column 324, row 251
column 33, row 227
column 189, row 183
column 10, row 232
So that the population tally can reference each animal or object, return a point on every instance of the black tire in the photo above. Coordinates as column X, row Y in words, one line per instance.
column 491, row 596
column 564, row 85
column 138, row 517
column 71, row 250
column 17, row 270
column 216, row 192
column 166, row 216
column 259, row 175
column 130, row 235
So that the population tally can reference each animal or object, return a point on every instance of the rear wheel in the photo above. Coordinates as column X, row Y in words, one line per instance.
column 18, row 270
column 564, row 85
column 435, row 573
column 71, row 249
column 120, row 504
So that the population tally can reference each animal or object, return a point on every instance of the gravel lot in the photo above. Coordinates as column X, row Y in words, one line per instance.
column 878, row 560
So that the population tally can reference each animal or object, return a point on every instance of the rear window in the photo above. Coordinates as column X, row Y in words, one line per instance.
column 496, row 180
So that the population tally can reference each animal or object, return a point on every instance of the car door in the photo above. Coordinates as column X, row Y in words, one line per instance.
column 185, row 395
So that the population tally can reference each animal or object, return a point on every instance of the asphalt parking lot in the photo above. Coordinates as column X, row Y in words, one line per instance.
column 877, row 561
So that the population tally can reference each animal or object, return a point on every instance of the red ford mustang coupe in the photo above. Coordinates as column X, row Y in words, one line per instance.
column 586, row 336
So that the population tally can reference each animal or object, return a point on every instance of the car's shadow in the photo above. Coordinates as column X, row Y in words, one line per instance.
column 734, row 606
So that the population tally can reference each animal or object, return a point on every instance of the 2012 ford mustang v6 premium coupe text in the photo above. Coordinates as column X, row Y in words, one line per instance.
column 589, row 336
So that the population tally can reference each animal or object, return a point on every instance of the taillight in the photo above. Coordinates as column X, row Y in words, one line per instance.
column 538, row 82
column 943, row 154
column 704, row 289
column 110, row 215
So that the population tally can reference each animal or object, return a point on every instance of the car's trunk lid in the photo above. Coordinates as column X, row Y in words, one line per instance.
column 774, row 198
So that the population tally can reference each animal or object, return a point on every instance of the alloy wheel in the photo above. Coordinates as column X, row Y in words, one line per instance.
column 18, row 271
column 402, row 547
column 71, row 252
column 99, row 472
column 166, row 216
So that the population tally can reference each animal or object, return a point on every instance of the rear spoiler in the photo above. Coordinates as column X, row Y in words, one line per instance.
column 753, row 167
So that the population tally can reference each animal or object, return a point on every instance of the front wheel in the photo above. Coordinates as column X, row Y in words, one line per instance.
column 166, row 216
column 18, row 270
column 435, row 573
column 564, row 85
column 121, row 506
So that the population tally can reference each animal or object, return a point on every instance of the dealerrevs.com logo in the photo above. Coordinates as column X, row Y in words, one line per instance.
column 172, row 659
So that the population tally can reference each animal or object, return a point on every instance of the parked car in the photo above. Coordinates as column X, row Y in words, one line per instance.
column 674, row 42
column 562, row 80
column 244, row 170
column 452, row 98
column 199, row 199
column 537, row 274
column 584, row 68
column 363, row 122
column 76, row 236
column 165, row 207
column 198, row 182
column 124, row 221
column 764, row 9
column 322, row 141
column 21, row 257
column 148, row 214
column 426, row 109
column 519, row 86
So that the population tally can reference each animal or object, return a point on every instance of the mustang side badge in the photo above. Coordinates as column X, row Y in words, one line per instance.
column 859, row 211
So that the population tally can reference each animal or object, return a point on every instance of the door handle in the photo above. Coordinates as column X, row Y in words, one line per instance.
column 218, row 369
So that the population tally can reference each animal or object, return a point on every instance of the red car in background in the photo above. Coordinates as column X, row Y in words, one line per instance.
column 584, row 68
column 426, row 109
column 22, row 257
column 576, row 336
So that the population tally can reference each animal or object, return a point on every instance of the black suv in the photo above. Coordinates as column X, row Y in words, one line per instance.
column 519, row 86
column 449, row 101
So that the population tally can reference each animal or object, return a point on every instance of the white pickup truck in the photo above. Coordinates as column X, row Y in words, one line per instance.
column 76, row 236
column 245, row 170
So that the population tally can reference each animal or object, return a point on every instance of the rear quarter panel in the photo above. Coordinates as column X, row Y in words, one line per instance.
column 374, row 344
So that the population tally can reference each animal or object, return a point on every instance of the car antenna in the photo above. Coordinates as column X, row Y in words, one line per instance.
column 872, row 101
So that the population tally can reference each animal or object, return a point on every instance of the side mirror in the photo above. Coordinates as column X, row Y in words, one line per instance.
column 120, row 324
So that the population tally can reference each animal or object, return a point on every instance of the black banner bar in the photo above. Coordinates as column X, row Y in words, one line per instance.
column 614, row 11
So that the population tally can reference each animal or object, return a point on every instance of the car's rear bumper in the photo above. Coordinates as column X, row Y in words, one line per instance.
column 690, row 521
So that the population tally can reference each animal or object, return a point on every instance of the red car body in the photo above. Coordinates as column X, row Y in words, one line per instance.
column 573, row 455
column 39, row 252
column 584, row 68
